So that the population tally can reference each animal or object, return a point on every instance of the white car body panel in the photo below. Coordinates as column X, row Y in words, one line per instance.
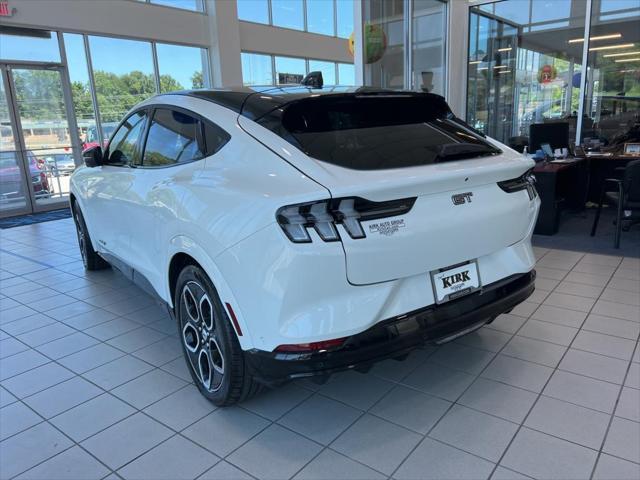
column 221, row 212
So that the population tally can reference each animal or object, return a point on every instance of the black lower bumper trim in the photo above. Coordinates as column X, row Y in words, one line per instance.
column 397, row 336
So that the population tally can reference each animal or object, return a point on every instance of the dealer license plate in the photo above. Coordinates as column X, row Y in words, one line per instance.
column 455, row 282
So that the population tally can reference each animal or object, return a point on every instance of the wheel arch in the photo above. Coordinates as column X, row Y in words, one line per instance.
column 185, row 251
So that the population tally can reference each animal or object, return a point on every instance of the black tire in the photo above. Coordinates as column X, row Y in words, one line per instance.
column 209, row 343
column 90, row 259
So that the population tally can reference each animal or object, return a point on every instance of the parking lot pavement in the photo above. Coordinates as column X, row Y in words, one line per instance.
column 93, row 385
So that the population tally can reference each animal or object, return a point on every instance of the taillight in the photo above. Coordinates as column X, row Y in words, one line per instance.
column 311, row 347
column 324, row 215
column 526, row 182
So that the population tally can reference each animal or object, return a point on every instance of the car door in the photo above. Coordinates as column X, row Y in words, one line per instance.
column 109, row 191
column 173, row 146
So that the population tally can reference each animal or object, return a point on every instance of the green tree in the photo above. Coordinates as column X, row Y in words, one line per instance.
column 169, row 84
column 197, row 80
column 39, row 94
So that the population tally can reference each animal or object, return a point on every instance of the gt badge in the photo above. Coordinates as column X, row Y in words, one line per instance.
column 460, row 198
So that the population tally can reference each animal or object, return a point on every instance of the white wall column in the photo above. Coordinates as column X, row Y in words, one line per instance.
column 457, row 47
column 224, row 41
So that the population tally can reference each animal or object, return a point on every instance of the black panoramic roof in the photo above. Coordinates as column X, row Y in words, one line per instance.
column 255, row 102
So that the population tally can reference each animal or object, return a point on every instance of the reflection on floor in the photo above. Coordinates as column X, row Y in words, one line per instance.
column 93, row 385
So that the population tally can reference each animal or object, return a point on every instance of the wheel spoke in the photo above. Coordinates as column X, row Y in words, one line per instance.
column 204, row 367
column 191, row 306
column 206, row 312
column 190, row 337
column 215, row 356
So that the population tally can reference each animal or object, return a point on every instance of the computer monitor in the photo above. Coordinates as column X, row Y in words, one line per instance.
column 547, row 150
column 555, row 134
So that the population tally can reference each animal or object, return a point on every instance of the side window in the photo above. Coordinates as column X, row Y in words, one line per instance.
column 174, row 137
column 214, row 137
column 123, row 146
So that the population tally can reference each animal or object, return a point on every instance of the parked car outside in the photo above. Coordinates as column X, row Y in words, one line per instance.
column 60, row 162
column 11, row 184
column 91, row 138
column 297, row 232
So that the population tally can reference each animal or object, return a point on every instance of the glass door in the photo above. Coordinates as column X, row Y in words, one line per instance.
column 42, row 138
column 14, row 194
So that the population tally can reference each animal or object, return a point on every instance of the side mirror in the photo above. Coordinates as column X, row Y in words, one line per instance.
column 93, row 156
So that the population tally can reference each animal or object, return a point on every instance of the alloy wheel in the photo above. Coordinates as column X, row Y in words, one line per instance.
column 198, row 327
column 82, row 238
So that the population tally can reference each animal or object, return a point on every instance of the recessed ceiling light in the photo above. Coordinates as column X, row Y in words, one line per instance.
column 500, row 66
column 504, row 71
column 612, row 47
column 597, row 37
column 624, row 60
column 506, row 49
column 475, row 62
column 626, row 54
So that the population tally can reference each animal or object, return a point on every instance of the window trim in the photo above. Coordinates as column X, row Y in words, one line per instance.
column 201, row 134
column 122, row 122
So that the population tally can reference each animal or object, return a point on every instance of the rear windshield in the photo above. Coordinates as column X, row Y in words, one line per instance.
column 374, row 132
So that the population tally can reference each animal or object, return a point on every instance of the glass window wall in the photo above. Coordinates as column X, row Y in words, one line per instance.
column 328, row 70
column 121, row 81
column 254, row 10
column 287, row 14
column 612, row 91
column 257, row 69
column 324, row 17
column 344, row 18
column 388, row 64
column 81, row 89
column 429, row 25
column 524, row 66
column 320, row 17
column 346, row 74
column 290, row 70
column 526, row 63
column 182, row 67
column 384, row 43
column 29, row 45
column 195, row 5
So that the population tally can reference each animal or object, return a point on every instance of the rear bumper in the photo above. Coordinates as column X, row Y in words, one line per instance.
column 397, row 336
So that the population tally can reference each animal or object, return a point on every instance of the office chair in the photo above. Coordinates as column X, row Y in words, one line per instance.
column 626, row 198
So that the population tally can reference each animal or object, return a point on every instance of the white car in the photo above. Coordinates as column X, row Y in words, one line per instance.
column 295, row 232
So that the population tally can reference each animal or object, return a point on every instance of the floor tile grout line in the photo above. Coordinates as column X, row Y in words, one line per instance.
column 73, row 442
column 93, row 383
column 538, row 395
column 477, row 376
column 83, row 330
column 82, row 374
column 362, row 413
column 613, row 414
column 455, row 402
column 556, row 369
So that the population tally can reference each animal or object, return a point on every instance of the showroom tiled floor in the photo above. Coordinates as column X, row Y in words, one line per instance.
column 93, row 385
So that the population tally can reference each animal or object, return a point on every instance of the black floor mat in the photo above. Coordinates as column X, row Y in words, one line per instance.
column 35, row 218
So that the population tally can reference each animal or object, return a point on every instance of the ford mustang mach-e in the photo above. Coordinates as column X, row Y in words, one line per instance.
column 296, row 231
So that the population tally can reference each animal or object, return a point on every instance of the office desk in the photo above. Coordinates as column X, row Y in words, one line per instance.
column 560, row 186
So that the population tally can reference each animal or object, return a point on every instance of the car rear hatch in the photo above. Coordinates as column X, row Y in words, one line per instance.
column 423, row 186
